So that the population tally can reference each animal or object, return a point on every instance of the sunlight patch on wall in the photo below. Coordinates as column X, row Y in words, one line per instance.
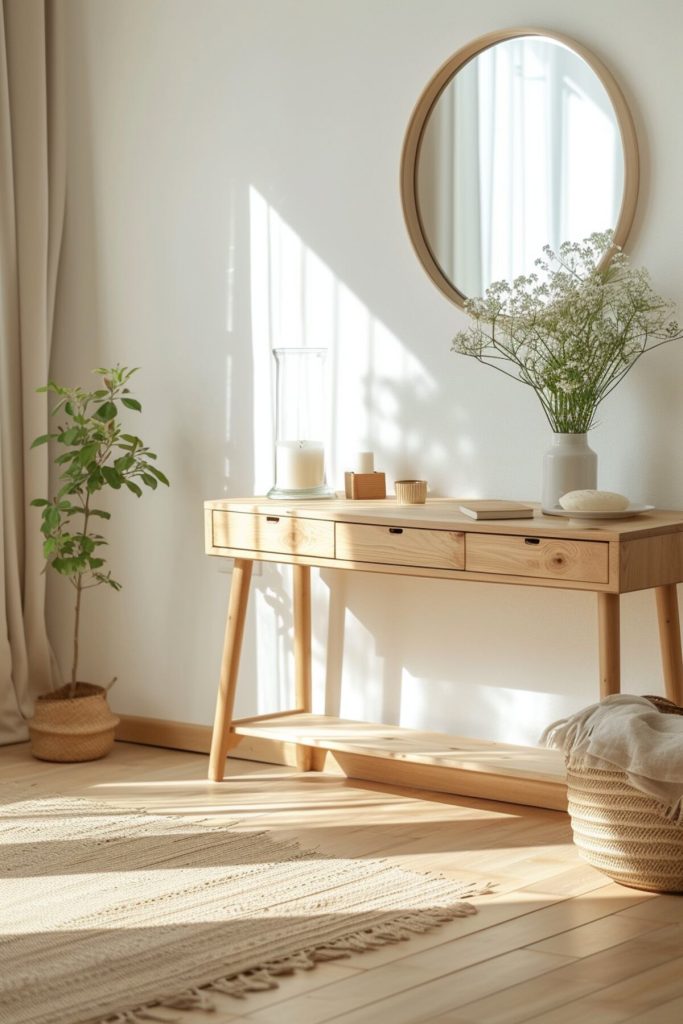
column 296, row 300
column 514, row 716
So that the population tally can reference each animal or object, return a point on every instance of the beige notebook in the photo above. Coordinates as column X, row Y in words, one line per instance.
column 496, row 509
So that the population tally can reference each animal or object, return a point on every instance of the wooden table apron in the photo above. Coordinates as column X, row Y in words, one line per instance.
column 606, row 557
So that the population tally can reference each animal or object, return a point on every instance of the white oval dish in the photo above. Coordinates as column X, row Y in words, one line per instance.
column 632, row 510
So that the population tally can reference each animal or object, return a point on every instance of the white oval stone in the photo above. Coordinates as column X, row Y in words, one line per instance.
column 594, row 501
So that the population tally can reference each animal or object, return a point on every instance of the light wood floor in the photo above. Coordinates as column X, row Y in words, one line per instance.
column 557, row 942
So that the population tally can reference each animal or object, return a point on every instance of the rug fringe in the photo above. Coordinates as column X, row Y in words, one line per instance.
column 265, row 976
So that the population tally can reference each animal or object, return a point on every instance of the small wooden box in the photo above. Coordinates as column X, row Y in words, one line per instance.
column 365, row 485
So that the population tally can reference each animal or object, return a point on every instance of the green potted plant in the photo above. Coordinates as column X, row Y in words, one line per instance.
column 571, row 333
column 92, row 453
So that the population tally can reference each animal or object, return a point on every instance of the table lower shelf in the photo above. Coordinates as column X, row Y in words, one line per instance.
column 425, row 760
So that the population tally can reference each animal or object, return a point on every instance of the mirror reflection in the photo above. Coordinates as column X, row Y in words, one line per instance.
column 522, row 148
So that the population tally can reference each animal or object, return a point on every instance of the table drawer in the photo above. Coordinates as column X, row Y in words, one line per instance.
column 277, row 534
column 396, row 545
column 579, row 560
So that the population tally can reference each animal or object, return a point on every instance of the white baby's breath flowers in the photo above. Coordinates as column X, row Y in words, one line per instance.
column 572, row 331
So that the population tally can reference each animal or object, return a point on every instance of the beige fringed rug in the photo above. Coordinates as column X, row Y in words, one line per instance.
column 107, row 914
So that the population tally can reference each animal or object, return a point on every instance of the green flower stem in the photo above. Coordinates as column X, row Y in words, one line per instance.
column 573, row 334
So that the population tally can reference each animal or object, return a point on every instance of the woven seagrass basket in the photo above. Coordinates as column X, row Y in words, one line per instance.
column 623, row 832
column 68, row 729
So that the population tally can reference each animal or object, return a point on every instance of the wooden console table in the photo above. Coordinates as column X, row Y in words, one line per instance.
column 606, row 557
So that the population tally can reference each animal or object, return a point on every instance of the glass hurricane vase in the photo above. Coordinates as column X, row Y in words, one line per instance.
column 300, row 424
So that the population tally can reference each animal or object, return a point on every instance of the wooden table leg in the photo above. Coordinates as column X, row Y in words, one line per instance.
column 302, row 653
column 670, row 641
column 232, row 647
column 609, row 642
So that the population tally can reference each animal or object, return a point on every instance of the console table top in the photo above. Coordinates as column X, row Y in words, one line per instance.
column 444, row 514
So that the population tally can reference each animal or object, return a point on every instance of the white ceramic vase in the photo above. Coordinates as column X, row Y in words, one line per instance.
column 568, row 465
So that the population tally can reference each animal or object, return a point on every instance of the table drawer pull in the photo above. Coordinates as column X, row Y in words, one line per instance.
column 272, row 519
column 532, row 540
column 395, row 529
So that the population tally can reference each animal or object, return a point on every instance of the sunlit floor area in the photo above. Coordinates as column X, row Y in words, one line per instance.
column 555, row 942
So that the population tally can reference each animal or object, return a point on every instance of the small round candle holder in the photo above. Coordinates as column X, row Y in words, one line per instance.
column 411, row 492
column 300, row 412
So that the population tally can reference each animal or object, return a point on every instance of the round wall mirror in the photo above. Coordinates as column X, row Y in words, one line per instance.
column 521, row 139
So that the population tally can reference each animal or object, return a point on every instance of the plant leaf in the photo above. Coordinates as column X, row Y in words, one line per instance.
column 106, row 412
column 51, row 517
column 95, row 480
column 66, row 566
column 158, row 474
column 87, row 453
column 124, row 463
column 66, row 457
column 112, row 477
column 132, row 403
column 103, row 577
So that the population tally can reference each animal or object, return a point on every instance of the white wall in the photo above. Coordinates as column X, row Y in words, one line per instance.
column 233, row 180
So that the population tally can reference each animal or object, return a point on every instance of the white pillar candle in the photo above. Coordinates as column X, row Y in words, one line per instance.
column 365, row 462
column 299, row 465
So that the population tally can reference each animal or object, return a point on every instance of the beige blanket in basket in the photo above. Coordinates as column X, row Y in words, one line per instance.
column 626, row 733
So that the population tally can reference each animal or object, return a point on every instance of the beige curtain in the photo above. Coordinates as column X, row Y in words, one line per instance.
column 32, row 190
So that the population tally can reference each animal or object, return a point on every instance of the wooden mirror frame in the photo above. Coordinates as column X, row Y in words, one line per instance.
column 425, row 105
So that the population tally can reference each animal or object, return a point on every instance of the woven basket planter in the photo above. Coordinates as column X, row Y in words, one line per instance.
column 70, row 729
column 623, row 832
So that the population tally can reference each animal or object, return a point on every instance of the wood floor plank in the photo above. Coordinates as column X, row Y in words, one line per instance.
column 398, row 1000
column 304, row 981
column 594, row 937
column 574, row 991
column 666, row 1013
column 641, row 991
column 662, row 909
